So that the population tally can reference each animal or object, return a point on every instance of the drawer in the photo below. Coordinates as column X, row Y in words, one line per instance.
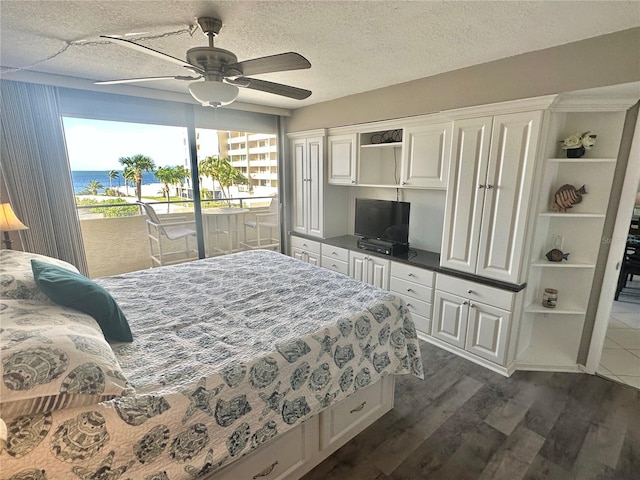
column 279, row 458
column 306, row 245
column 410, row 289
column 418, row 306
column 475, row 291
column 335, row 265
column 336, row 253
column 413, row 274
column 355, row 413
column 423, row 324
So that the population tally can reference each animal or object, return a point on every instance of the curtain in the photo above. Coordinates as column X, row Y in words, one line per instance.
column 36, row 170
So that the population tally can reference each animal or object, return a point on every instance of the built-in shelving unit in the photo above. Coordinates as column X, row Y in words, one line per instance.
column 549, row 338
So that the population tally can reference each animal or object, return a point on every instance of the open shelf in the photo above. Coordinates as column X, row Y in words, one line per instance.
column 383, row 145
column 561, row 309
column 543, row 263
column 582, row 160
column 571, row 215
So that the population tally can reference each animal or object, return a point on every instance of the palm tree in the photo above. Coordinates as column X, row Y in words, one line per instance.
column 113, row 174
column 137, row 164
column 93, row 186
column 168, row 176
column 129, row 176
column 221, row 170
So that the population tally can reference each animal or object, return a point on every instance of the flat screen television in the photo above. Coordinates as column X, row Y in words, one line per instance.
column 382, row 220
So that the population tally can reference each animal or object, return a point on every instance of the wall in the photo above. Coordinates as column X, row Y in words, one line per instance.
column 605, row 60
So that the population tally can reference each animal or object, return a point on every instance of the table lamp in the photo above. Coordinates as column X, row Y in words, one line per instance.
column 9, row 223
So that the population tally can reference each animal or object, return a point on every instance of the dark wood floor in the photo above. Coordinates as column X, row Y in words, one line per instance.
column 465, row 422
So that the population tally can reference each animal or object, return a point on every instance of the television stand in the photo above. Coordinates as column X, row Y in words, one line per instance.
column 380, row 246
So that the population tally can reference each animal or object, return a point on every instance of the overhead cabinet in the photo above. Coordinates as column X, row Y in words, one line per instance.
column 488, row 194
column 342, row 159
column 426, row 155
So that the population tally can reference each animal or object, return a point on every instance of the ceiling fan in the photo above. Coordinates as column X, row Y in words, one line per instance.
column 218, row 74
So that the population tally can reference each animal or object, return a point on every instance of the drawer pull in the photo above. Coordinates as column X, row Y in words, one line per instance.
column 266, row 471
column 469, row 291
column 410, row 275
column 409, row 289
column 359, row 407
column 334, row 265
column 409, row 305
column 304, row 245
column 334, row 253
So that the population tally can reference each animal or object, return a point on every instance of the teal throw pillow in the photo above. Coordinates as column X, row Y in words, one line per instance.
column 71, row 289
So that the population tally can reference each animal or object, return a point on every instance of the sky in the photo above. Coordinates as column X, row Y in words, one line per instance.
column 97, row 144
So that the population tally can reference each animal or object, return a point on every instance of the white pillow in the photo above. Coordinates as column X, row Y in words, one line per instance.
column 16, row 275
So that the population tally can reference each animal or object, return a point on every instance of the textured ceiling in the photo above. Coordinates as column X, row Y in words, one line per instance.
column 353, row 46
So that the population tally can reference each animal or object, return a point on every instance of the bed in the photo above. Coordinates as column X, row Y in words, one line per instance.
column 229, row 355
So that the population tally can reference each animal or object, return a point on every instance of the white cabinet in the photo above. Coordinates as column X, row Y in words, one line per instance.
column 312, row 195
column 488, row 196
column 308, row 206
column 415, row 286
column 426, row 155
column 342, row 159
column 473, row 317
column 369, row 269
column 306, row 251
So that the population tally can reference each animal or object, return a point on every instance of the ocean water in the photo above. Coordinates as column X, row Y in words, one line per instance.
column 81, row 179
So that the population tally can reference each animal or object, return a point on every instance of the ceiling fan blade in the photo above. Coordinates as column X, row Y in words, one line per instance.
column 150, row 51
column 273, row 63
column 144, row 79
column 275, row 88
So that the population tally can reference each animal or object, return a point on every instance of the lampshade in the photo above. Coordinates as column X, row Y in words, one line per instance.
column 8, row 220
column 212, row 93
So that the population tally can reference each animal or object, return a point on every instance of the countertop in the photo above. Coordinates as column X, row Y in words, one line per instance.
column 416, row 257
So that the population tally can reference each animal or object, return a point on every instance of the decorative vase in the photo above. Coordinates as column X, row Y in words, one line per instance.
column 575, row 152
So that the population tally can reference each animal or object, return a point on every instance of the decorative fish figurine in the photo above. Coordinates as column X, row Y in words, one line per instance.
column 556, row 255
column 567, row 196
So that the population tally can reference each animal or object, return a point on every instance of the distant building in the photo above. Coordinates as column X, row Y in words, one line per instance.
column 255, row 155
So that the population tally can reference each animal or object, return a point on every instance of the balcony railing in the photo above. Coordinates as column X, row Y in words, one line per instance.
column 119, row 244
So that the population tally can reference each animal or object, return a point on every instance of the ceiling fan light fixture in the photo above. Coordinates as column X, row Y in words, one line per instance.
column 213, row 93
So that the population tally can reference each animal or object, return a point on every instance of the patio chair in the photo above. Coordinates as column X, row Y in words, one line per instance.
column 264, row 222
column 172, row 231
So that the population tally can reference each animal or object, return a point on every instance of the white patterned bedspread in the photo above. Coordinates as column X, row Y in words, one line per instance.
column 227, row 353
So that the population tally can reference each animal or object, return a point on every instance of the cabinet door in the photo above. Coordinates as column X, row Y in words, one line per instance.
column 508, row 183
column 426, row 155
column 315, row 179
column 378, row 270
column 488, row 332
column 300, row 193
column 450, row 318
column 342, row 159
column 463, row 209
column 313, row 258
column 358, row 266
column 298, row 254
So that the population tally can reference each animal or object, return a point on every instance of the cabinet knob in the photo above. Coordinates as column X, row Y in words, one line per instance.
column 334, row 265
column 472, row 305
column 334, row 253
column 353, row 181
column 403, row 183
column 410, row 275
column 465, row 303
column 409, row 305
column 409, row 289
column 480, row 186
column 469, row 291
column 489, row 186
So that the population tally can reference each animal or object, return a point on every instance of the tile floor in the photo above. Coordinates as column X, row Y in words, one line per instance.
column 621, row 354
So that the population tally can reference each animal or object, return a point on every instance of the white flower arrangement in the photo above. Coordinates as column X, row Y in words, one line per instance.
column 575, row 140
